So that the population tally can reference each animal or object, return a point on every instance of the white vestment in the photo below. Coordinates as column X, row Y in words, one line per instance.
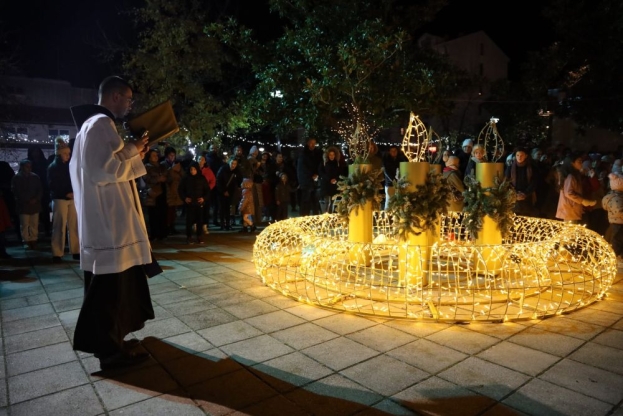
column 112, row 232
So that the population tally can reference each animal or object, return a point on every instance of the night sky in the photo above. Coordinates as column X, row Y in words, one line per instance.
column 61, row 40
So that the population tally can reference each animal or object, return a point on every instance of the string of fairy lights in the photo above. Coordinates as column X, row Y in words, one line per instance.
column 540, row 269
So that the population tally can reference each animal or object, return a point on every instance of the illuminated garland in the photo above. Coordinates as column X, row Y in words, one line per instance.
column 498, row 202
column 355, row 190
column 418, row 211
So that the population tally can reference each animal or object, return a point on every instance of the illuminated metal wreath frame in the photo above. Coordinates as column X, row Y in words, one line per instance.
column 546, row 268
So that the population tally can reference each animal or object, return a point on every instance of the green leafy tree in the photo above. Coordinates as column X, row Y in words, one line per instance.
column 332, row 55
column 176, row 60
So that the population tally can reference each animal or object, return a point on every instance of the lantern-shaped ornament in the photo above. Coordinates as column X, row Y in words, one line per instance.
column 490, row 138
column 415, row 140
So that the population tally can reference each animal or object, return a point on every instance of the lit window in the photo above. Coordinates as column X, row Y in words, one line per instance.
column 54, row 133
column 12, row 133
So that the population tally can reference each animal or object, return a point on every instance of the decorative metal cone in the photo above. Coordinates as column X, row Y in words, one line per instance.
column 415, row 140
column 490, row 138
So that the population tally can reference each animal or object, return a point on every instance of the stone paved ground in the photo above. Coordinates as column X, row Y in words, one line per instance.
column 222, row 343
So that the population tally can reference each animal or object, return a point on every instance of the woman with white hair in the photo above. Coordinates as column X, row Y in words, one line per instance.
column 478, row 156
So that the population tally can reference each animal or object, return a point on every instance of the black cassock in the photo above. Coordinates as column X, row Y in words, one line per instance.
column 114, row 305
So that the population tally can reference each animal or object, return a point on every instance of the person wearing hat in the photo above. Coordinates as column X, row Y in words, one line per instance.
column 64, row 217
column 464, row 153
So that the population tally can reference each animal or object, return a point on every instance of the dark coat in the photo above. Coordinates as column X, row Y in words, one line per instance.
column 390, row 165
column 223, row 182
column 282, row 192
column 28, row 191
column 464, row 159
column 523, row 180
column 194, row 187
column 59, row 181
column 307, row 167
column 331, row 169
column 214, row 160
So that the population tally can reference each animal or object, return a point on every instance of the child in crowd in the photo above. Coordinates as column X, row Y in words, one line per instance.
column 194, row 191
column 247, row 205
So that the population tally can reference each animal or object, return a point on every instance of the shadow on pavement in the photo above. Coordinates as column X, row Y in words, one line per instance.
column 220, row 385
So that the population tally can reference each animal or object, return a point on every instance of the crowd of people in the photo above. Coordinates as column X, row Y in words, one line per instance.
column 243, row 190
column 97, row 197
column 582, row 187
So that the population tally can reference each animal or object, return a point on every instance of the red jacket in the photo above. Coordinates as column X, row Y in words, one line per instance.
column 209, row 175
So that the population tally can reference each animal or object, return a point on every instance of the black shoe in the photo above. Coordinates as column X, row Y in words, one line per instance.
column 131, row 344
column 75, row 256
column 253, row 228
column 123, row 359
column 228, row 228
column 57, row 259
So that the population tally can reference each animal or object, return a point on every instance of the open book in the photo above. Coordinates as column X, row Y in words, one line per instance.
column 158, row 123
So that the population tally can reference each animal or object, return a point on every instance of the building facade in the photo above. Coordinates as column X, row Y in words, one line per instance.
column 34, row 111
column 484, row 61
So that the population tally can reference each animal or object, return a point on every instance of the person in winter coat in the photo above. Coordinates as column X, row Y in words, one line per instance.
column 194, row 190
column 571, row 202
column 307, row 175
column 227, row 185
column 329, row 172
column 27, row 189
column 464, row 153
column 478, row 156
column 247, row 206
column 174, row 177
column 522, row 176
column 206, row 171
column 283, row 192
column 391, row 165
column 214, row 159
column 613, row 204
column 40, row 168
column 64, row 216
column 452, row 174
column 155, row 198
